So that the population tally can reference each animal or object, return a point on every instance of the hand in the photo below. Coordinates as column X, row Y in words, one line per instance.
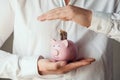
column 76, row 14
column 45, row 66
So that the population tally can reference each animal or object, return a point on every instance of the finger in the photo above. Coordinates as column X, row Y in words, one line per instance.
column 55, row 65
column 64, row 19
column 57, row 10
column 41, row 18
column 57, row 13
column 65, row 68
column 48, row 16
column 53, row 11
column 88, row 59
column 71, row 66
column 54, row 16
column 75, row 65
column 51, row 16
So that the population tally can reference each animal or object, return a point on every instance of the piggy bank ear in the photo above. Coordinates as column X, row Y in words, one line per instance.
column 65, row 42
column 53, row 41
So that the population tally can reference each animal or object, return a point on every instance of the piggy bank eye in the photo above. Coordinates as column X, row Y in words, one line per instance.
column 58, row 45
column 53, row 46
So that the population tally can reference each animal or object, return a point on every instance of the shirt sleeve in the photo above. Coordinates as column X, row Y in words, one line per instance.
column 107, row 23
column 6, row 20
column 13, row 66
column 16, row 67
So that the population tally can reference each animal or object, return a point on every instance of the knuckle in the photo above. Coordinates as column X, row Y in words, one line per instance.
column 69, row 7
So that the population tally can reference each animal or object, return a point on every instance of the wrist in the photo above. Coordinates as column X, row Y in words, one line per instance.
column 87, row 17
column 89, row 13
column 83, row 17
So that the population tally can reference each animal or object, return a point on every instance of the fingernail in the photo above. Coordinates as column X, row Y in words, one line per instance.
column 92, row 60
column 38, row 18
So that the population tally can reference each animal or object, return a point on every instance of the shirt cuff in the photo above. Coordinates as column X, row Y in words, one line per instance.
column 28, row 66
column 101, row 22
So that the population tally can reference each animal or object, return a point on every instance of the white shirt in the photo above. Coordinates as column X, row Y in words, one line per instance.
column 32, row 38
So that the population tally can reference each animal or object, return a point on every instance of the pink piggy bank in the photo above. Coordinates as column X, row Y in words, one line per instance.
column 63, row 50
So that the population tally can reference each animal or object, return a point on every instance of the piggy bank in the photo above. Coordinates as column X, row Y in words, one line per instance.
column 63, row 50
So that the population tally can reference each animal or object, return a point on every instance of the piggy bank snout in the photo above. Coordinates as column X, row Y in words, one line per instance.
column 55, row 53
